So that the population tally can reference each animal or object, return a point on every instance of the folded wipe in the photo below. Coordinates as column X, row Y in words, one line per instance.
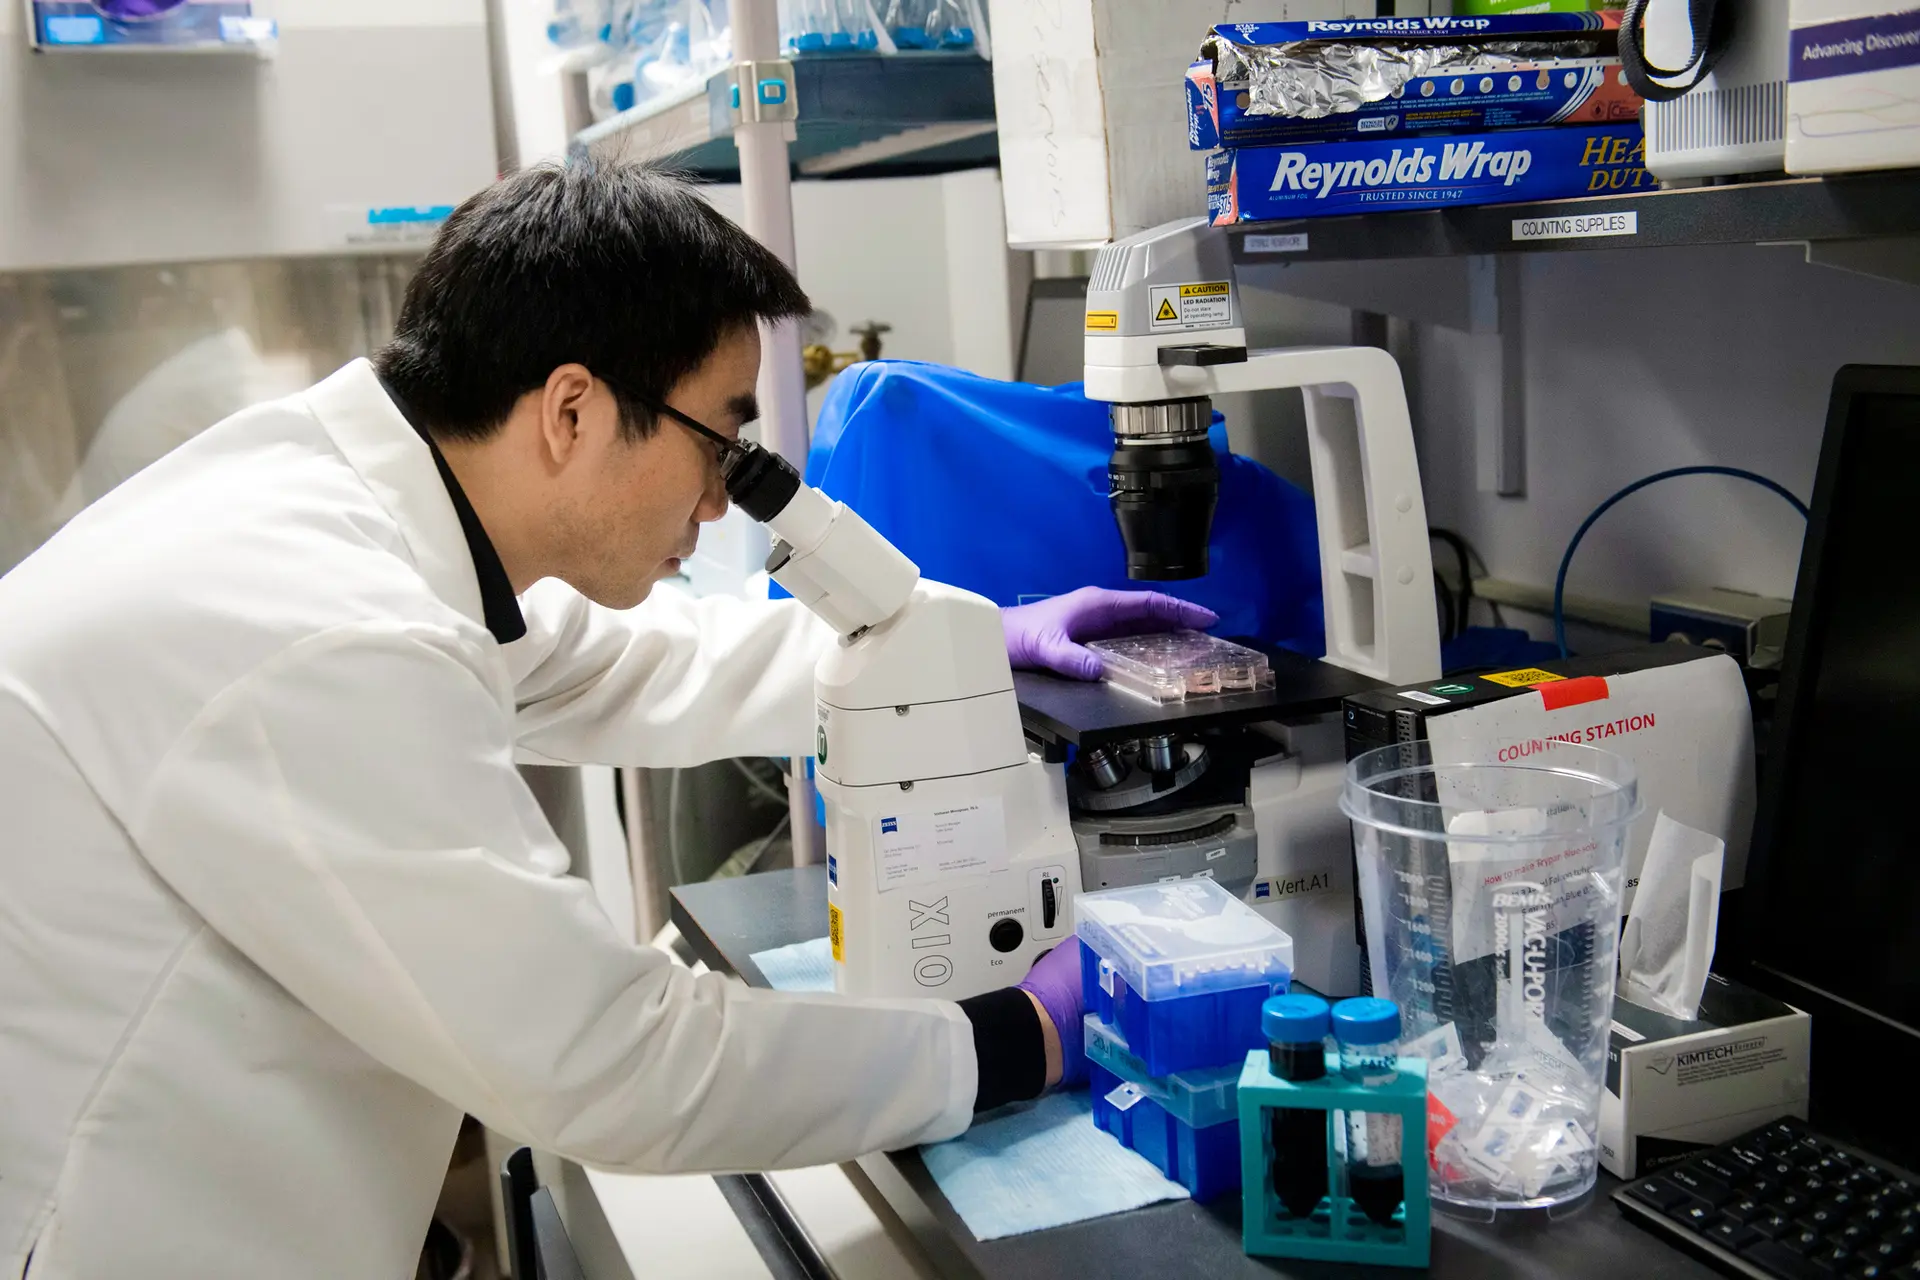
column 1042, row 1164
column 799, row 966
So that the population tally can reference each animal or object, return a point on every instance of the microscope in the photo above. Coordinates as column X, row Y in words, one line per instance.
column 967, row 806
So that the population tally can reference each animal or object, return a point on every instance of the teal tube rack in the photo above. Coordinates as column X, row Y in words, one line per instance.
column 1337, row 1231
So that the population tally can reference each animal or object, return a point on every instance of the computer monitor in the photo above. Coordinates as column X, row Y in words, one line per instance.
column 1831, row 917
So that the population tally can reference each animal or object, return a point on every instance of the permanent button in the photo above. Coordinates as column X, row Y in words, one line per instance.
column 1006, row 935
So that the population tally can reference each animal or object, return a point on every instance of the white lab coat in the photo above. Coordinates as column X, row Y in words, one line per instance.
column 275, row 907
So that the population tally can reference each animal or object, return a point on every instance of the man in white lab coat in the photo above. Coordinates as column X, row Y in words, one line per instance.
column 275, row 907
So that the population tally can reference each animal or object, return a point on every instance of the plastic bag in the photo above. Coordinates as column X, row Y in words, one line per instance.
column 1001, row 488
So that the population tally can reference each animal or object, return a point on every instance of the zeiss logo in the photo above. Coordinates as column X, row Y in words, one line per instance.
column 889, row 826
column 833, row 869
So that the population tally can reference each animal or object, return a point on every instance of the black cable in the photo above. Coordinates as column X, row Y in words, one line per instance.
column 1464, row 613
column 1445, row 597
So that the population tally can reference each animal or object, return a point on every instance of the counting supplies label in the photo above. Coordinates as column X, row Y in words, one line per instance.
column 1204, row 305
column 1586, row 226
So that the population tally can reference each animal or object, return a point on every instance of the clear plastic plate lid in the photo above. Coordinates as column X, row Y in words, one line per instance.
column 1182, row 938
column 1173, row 666
column 1202, row 1098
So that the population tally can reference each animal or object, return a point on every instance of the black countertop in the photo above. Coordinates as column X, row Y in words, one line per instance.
column 725, row 922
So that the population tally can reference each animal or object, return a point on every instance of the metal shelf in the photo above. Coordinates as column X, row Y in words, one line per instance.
column 858, row 114
column 1866, row 207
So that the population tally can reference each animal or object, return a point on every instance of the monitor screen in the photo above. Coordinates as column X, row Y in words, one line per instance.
column 1838, row 908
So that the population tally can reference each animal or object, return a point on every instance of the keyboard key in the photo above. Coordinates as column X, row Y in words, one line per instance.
column 1780, row 1131
column 1887, row 1252
column 1821, row 1218
column 1803, row 1240
column 1862, row 1180
column 1658, row 1192
column 1813, row 1186
column 1874, row 1218
column 1835, row 1258
column 1730, row 1234
column 1792, row 1202
column 1745, row 1209
column 1871, row 1271
column 1773, row 1225
column 1748, row 1154
column 1853, row 1235
column 1843, row 1201
column 1697, row 1214
column 1703, row 1185
column 1728, row 1170
column 1781, row 1261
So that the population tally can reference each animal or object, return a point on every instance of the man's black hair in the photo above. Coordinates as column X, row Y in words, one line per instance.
column 623, row 268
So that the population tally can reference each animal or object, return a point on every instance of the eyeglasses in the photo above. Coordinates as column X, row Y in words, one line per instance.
column 727, row 453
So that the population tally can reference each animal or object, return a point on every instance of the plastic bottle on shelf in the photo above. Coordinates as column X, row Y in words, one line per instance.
column 1296, row 1030
column 1368, row 1032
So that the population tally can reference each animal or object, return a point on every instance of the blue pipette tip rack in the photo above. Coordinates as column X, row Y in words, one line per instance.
column 1338, row 1231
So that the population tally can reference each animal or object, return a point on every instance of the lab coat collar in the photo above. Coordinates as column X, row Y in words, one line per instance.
column 399, row 466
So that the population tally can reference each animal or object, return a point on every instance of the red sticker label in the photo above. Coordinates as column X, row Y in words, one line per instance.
column 1571, row 693
column 1440, row 1122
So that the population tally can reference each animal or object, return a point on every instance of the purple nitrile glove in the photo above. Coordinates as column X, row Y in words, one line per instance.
column 1054, row 981
column 1045, row 636
column 136, row 9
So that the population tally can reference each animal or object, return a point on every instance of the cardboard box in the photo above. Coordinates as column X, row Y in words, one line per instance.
column 1323, row 179
column 1674, row 1087
column 1853, row 82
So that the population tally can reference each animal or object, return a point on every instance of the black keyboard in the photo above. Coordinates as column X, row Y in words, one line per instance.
column 1783, row 1201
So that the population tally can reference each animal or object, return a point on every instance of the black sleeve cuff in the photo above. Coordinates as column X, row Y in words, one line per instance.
column 1009, row 1046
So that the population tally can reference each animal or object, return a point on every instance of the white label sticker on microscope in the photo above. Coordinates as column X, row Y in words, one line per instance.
column 912, row 848
column 1205, row 304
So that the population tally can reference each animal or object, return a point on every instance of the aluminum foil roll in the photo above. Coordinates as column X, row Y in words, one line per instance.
column 1308, row 79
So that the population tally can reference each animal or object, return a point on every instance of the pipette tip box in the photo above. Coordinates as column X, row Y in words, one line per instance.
column 1338, row 1231
column 1206, row 1161
column 1180, row 970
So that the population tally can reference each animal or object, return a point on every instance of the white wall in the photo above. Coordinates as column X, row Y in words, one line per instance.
column 925, row 255
column 1636, row 361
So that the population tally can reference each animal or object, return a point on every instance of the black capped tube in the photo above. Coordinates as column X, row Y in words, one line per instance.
column 1296, row 1030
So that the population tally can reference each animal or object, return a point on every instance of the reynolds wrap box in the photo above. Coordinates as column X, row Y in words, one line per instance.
column 1853, row 86
column 1260, row 84
column 1674, row 1087
column 1321, row 179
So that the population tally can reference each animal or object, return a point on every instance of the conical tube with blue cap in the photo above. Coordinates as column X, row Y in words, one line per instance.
column 1368, row 1032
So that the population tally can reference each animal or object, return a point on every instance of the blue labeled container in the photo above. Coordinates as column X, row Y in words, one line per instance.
column 1180, row 970
column 1204, row 1161
column 1200, row 1098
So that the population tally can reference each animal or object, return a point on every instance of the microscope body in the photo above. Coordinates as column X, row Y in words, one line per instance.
column 951, row 865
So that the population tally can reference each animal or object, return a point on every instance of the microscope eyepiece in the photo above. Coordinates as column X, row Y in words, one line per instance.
column 759, row 481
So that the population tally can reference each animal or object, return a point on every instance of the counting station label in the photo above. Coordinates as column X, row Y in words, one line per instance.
column 1206, row 304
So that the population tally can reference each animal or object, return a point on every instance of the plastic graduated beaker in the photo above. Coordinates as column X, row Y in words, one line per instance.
column 1490, row 889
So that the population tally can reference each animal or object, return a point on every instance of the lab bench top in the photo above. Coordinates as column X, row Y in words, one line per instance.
column 725, row 922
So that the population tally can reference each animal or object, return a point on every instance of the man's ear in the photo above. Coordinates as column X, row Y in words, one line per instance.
column 569, row 390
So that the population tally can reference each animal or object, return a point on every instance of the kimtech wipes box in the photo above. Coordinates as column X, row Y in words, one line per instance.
column 1674, row 1087
column 1853, row 85
column 1503, row 167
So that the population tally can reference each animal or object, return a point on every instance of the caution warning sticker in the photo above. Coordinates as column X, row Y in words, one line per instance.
column 836, row 933
column 1103, row 319
column 1204, row 305
column 1523, row 678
